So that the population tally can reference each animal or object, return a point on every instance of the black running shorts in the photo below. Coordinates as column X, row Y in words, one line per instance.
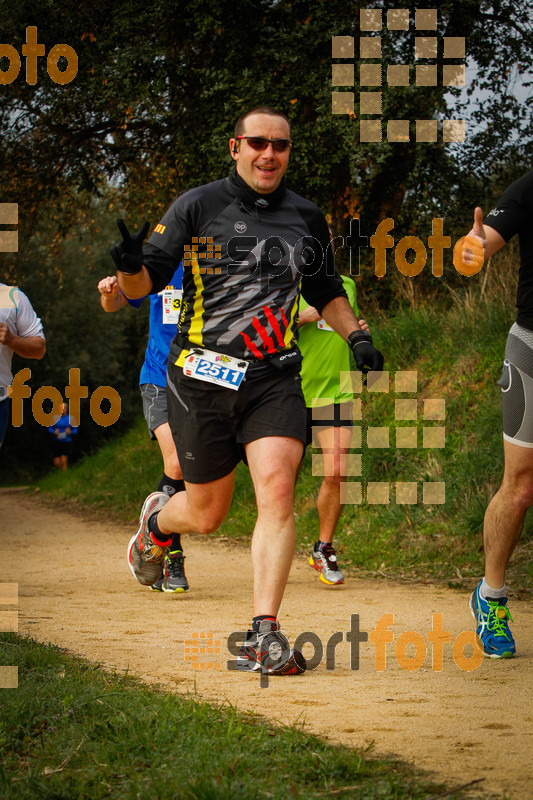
column 336, row 415
column 61, row 448
column 210, row 424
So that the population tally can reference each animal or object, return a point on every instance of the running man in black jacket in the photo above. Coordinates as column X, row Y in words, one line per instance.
column 233, row 381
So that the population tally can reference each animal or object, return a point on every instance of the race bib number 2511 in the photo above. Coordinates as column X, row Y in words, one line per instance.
column 205, row 365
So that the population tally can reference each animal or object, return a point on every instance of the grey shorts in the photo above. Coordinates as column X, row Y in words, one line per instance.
column 517, row 387
column 154, row 406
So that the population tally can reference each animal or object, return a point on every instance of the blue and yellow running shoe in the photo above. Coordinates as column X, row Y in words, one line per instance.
column 492, row 618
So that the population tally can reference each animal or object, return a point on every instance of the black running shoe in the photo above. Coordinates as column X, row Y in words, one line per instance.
column 175, row 580
column 158, row 585
column 269, row 652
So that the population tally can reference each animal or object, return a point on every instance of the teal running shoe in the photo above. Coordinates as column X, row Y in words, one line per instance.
column 492, row 620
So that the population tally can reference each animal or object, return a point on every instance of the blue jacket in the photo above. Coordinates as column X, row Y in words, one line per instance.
column 61, row 425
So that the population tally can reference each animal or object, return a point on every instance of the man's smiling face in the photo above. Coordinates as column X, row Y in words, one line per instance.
column 262, row 170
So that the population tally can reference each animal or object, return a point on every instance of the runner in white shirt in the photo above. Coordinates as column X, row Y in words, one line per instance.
column 21, row 332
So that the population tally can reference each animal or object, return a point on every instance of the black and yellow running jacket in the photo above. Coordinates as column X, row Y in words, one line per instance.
column 244, row 257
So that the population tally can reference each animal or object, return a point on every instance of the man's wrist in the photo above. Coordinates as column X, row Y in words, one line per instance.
column 136, row 286
column 358, row 334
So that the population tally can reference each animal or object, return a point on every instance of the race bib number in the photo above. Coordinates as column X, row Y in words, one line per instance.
column 323, row 325
column 171, row 305
column 205, row 365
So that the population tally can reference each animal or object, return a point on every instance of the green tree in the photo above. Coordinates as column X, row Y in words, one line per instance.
column 151, row 109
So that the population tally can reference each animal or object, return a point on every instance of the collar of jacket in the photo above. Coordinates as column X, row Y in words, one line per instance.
column 251, row 198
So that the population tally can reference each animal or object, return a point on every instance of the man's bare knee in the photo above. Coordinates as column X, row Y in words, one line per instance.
column 519, row 494
column 333, row 481
column 517, row 484
column 209, row 515
column 208, row 504
column 207, row 525
column 277, row 491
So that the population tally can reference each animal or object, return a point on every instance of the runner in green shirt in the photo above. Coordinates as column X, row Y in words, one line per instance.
column 329, row 421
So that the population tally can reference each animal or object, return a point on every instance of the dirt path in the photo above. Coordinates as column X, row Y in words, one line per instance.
column 76, row 591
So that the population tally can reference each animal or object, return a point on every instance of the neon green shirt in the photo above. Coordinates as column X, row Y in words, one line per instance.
column 325, row 356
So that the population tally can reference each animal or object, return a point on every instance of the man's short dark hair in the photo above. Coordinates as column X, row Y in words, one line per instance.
column 273, row 112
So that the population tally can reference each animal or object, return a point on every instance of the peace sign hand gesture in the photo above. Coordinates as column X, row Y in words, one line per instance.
column 128, row 254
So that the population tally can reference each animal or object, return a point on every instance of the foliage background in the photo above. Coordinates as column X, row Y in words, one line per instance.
column 149, row 114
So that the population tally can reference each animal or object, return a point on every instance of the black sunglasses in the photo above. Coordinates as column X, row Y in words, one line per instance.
column 261, row 143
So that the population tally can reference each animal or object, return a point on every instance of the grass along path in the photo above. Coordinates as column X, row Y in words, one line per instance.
column 454, row 361
column 72, row 730
column 85, row 600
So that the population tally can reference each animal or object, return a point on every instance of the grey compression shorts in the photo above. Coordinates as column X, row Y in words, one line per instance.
column 154, row 406
column 517, row 387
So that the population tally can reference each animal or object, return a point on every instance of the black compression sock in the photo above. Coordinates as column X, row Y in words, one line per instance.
column 258, row 620
column 159, row 538
column 176, row 542
column 170, row 485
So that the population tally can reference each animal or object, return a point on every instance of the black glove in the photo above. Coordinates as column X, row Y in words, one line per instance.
column 364, row 352
column 128, row 254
